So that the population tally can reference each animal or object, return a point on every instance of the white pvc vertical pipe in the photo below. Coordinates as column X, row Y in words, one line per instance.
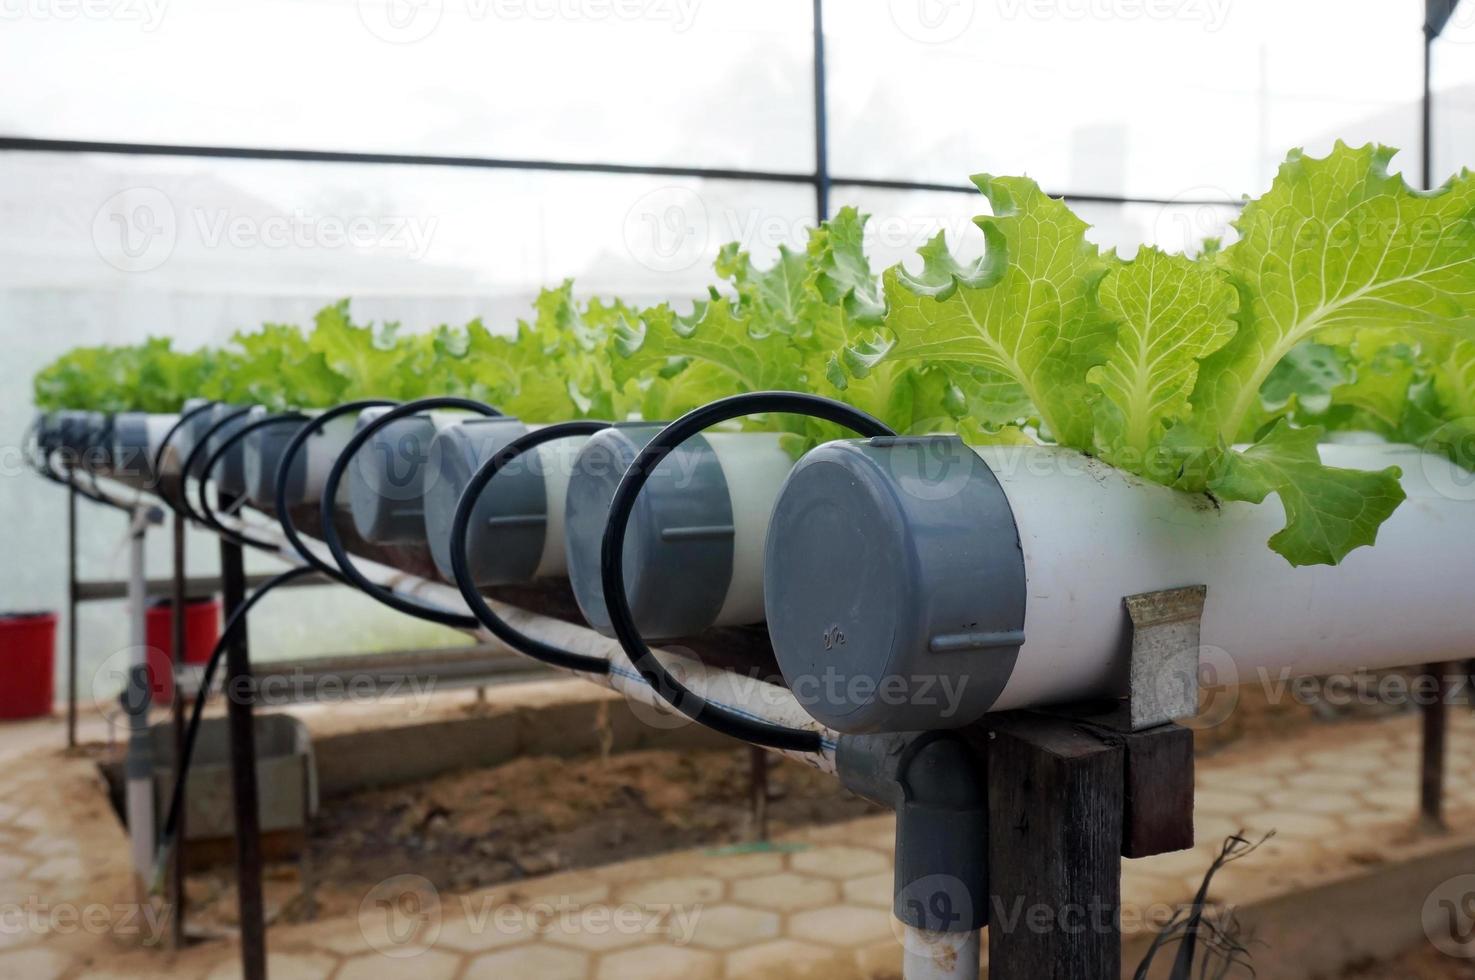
column 940, row 955
column 140, row 764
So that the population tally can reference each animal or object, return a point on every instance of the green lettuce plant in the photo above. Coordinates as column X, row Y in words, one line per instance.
column 1347, row 302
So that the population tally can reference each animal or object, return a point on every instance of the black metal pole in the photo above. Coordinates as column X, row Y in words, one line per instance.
column 821, row 119
column 1435, row 715
column 240, row 695
column 71, row 615
column 176, row 643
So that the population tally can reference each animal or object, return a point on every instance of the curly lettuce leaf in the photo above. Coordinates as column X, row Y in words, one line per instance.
column 1329, row 510
column 1028, row 312
column 1171, row 311
column 1337, row 245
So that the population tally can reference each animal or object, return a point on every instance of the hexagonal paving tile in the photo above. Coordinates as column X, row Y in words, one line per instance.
column 59, row 869
column 427, row 965
column 280, row 966
column 501, row 926
column 1397, row 800
column 33, row 964
column 1325, row 801
column 600, row 928
column 878, row 890
column 528, row 962
column 785, row 957
column 1224, row 803
column 786, row 892
column 1343, row 760
column 676, row 890
column 839, row 862
column 1321, row 779
column 841, row 925
column 731, row 926
column 658, row 963
column 344, row 937
column 882, row 959
column 1312, row 827
column 743, row 865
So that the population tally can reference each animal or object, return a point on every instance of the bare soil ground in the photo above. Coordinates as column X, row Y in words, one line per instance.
column 530, row 817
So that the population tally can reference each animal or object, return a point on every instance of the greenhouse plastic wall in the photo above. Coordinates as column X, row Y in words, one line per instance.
column 235, row 241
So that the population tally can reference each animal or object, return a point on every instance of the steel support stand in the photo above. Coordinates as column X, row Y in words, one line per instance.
column 1435, row 719
column 71, row 615
column 176, row 659
column 240, row 695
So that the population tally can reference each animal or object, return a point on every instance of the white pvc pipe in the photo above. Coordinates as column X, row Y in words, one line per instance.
column 262, row 452
column 754, row 466
column 556, row 461
column 1092, row 534
column 930, row 955
column 140, row 781
column 158, row 427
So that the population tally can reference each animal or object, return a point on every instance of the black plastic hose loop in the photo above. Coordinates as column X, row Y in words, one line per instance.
column 461, row 565
column 217, row 654
column 612, row 553
column 284, row 467
column 158, row 459
column 207, row 513
column 194, row 454
column 330, row 491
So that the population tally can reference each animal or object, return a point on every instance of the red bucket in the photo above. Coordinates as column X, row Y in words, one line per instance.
column 27, row 664
column 201, row 628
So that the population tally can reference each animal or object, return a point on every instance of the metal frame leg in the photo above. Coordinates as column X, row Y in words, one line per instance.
column 71, row 616
column 176, row 631
column 240, row 695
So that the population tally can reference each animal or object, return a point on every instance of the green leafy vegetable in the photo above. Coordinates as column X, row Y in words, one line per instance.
column 1346, row 305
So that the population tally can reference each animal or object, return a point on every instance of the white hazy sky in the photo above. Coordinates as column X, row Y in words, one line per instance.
column 1173, row 99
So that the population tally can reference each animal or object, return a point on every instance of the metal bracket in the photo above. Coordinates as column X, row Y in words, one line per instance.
column 1163, row 655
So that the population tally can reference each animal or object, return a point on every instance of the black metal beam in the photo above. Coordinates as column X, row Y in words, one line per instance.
column 821, row 119
column 816, row 180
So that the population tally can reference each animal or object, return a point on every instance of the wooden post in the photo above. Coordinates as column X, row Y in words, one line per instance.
column 1056, row 796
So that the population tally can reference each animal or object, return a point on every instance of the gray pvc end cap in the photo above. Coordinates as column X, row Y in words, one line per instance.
column 678, row 545
column 263, row 453
column 230, row 470
column 509, row 523
column 189, row 434
column 894, row 584
column 131, row 445
column 96, row 440
column 385, row 479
